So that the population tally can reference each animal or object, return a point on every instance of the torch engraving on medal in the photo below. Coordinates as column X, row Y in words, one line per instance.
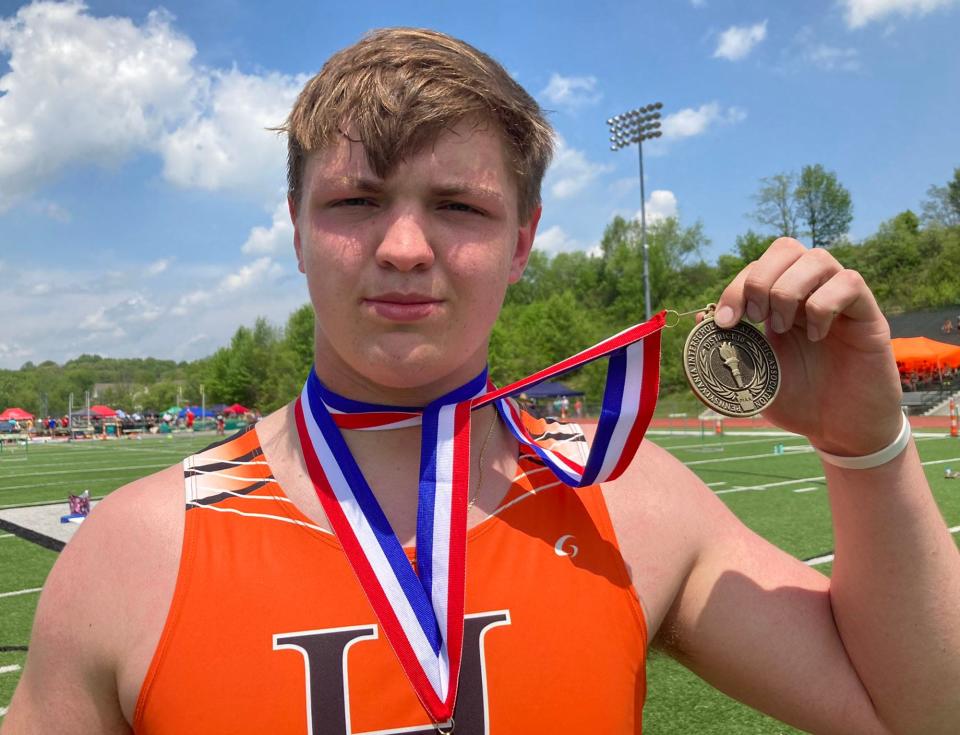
column 729, row 354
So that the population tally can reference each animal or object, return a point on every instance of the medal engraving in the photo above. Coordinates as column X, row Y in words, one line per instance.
column 733, row 371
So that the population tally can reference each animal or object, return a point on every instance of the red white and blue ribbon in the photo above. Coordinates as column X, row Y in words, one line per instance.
column 422, row 611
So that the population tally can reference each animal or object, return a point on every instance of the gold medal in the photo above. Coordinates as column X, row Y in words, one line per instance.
column 733, row 371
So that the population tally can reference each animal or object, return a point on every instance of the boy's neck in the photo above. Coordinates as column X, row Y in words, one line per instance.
column 353, row 385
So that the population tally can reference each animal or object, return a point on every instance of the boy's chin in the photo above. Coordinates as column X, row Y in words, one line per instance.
column 423, row 367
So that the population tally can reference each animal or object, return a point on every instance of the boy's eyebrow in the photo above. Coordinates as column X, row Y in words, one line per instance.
column 464, row 188
column 354, row 182
column 456, row 188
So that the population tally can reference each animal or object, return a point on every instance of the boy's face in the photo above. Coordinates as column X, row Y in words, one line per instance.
column 407, row 274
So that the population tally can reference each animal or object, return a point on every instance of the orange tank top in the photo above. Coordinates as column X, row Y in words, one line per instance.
column 270, row 632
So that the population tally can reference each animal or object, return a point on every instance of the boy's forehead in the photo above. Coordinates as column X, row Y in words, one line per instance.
column 464, row 154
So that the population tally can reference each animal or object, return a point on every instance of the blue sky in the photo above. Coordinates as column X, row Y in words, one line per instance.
column 141, row 199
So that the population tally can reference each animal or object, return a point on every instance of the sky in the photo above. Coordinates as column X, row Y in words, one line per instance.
column 142, row 200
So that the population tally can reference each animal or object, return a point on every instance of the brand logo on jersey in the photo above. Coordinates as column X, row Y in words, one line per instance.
column 326, row 669
column 563, row 547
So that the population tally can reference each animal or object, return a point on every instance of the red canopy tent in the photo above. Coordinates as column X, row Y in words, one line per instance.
column 236, row 408
column 103, row 412
column 912, row 352
column 15, row 414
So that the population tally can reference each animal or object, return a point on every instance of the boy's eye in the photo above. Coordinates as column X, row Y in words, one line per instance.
column 353, row 202
column 459, row 207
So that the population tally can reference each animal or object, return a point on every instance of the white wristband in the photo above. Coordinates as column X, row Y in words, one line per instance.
column 876, row 459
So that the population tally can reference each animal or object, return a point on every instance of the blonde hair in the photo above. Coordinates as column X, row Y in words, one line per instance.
column 397, row 89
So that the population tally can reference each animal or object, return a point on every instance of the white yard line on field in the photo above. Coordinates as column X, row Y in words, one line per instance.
column 793, row 450
column 804, row 450
column 820, row 478
column 768, row 485
column 20, row 592
column 9, row 669
column 765, row 439
column 88, row 462
column 90, row 472
column 43, row 502
column 805, row 489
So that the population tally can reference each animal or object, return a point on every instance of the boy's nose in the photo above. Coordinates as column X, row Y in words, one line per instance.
column 405, row 245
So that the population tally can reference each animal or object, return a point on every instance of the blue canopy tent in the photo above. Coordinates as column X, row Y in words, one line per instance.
column 551, row 389
column 199, row 413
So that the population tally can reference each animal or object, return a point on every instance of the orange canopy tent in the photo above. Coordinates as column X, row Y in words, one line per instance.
column 912, row 352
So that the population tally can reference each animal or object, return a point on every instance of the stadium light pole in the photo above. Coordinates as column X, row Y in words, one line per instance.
column 627, row 128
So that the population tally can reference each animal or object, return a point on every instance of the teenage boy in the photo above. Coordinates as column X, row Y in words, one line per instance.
column 415, row 167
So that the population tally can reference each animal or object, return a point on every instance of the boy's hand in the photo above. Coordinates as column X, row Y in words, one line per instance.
column 839, row 386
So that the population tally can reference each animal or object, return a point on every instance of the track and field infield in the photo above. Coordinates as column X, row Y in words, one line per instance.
column 47, row 473
column 781, row 495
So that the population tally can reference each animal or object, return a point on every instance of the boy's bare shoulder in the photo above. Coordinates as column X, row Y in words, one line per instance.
column 125, row 558
column 103, row 606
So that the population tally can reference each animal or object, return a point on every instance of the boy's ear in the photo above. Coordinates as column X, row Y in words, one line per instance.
column 292, row 207
column 525, row 237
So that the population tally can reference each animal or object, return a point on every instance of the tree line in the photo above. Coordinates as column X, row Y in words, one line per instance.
column 562, row 304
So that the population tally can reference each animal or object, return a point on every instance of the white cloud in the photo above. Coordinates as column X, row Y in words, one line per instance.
column 13, row 354
column 860, row 12
column 571, row 171
column 262, row 272
column 554, row 240
column 258, row 271
column 118, row 85
column 51, row 210
column 571, row 92
column 738, row 41
column 690, row 122
column 127, row 89
column 273, row 240
column 96, row 321
column 130, row 310
column 190, row 300
column 830, row 58
column 158, row 266
column 124, row 315
column 225, row 145
column 660, row 205
column 120, row 312
column 698, row 3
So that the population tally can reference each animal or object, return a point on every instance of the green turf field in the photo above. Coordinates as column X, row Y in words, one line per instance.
column 47, row 473
column 781, row 496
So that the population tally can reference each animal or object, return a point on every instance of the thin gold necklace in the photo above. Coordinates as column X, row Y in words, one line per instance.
column 483, row 448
